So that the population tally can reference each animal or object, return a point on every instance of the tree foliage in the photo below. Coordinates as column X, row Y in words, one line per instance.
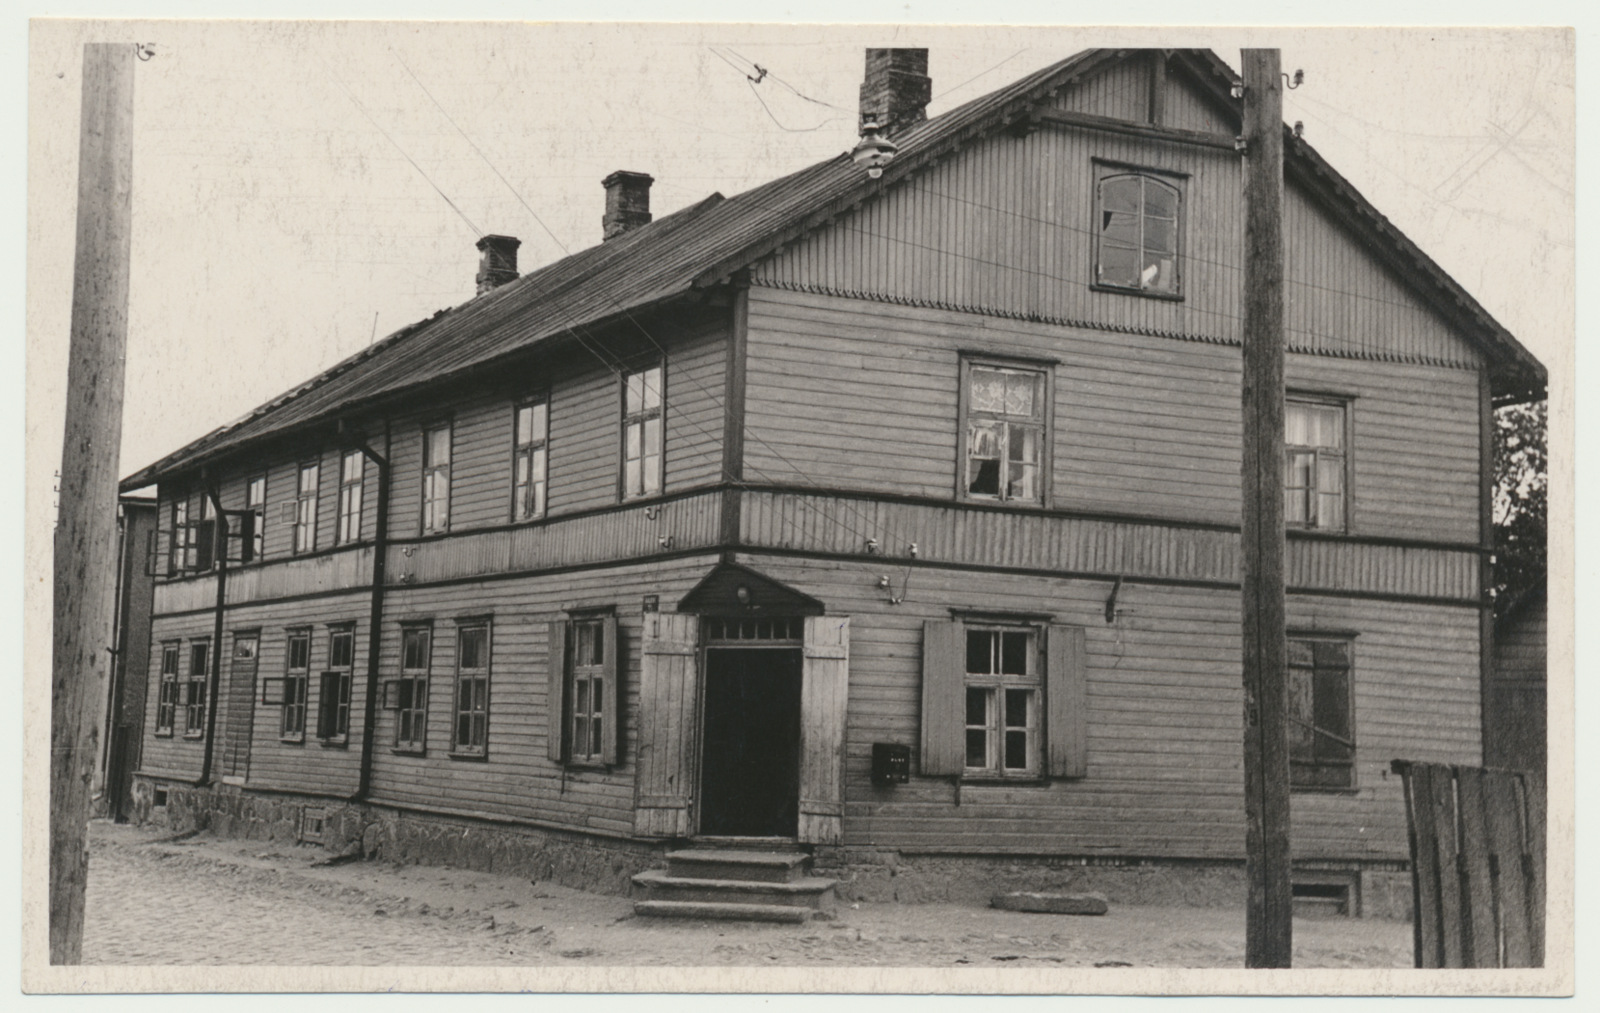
column 1521, row 481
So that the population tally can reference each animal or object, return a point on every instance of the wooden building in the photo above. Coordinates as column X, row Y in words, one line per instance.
column 1515, row 703
column 894, row 517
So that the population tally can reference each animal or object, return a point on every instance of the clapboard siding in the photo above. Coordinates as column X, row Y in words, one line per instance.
column 860, row 394
column 516, row 778
column 307, row 765
column 1164, row 753
column 174, row 755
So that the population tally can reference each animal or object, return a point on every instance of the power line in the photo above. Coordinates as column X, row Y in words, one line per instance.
column 408, row 158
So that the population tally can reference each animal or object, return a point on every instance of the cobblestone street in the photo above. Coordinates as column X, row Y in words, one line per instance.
column 204, row 900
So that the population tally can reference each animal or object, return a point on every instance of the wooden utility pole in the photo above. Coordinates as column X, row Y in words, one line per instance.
column 1268, row 940
column 86, row 524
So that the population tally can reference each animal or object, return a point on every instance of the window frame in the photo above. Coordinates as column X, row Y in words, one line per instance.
column 414, row 677
column 167, row 692
column 591, row 677
column 347, row 530
column 304, row 535
column 1347, row 640
column 334, row 729
column 182, row 545
column 1045, row 424
column 522, row 511
column 431, row 519
column 642, row 419
column 602, row 678
column 195, row 687
column 296, row 687
column 478, row 706
column 997, row 686
column 1106, row 170
column 1317, row 399
column 259, row 508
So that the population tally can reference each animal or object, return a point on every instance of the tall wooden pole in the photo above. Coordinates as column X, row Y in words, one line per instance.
column 1268, row 941
column 86, row 525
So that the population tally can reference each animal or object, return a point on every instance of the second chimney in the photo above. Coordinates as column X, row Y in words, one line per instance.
column 897, row 89
column 498, row 263
column 627, row 202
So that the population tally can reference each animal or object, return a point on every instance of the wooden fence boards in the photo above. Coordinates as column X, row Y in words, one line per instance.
column 1477, row 852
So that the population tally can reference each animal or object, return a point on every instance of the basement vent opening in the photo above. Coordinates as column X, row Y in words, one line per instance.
column 311, row 822
column 159, row 798
column 1321, row 899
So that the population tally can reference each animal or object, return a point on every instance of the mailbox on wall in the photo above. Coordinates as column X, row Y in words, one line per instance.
column 891, row 763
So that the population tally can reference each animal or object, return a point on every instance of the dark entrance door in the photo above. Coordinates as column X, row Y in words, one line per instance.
column 750, row 770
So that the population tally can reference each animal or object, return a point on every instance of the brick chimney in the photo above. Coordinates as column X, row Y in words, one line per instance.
column 897, row 89
column 627, row 202
column 498, row 264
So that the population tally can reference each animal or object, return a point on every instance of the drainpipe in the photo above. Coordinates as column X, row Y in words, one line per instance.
column 219, row 559
column 380, row 552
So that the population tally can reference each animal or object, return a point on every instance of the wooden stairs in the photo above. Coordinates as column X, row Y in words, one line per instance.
column 734, row 883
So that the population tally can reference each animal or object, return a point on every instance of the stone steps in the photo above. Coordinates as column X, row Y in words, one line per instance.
column 736, row 883
column 735, row 912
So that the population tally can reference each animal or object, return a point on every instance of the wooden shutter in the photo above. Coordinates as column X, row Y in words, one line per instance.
column 1066, row 702
column 944, row 663
column 824, row 691
column 668, row 698
column 555, row 697
column 610, row 724
column 328, row 705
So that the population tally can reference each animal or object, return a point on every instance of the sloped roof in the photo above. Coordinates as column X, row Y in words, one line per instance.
column 702, row 244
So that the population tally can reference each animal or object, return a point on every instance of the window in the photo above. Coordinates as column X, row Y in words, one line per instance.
column 203, row 536
column 1003, row 698
column 411, row 689
column 436, row 479
column 183, row 540
column 255, row 500
column 351, row 468
column 1314, row 464
column 194, row 690
column 530, row 464
column 333, row 697
column 1137, row 233
column 583, row 690
column 471, row 732
column 1006, row 421
column 305, row 515
column 641, row 433
column 1322, row 745
column 167, row 701
column 1002, row 702
column 292, row 727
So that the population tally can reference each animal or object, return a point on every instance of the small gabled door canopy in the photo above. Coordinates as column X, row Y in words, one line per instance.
column 732, row 589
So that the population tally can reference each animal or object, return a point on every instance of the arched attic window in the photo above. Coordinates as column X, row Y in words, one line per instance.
column 1137, row 223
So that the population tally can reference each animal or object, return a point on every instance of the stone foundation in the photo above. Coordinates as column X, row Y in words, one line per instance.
column 577, row 860
column 606, row 865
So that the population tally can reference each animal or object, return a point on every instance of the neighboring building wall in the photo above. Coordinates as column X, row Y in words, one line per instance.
column 125, row 718
column 1517, row 727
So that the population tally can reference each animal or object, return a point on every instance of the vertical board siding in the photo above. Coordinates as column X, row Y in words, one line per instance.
column 1006, row 226
column 1121, row 91
column 668, row 712
column 1164, row 775
column 824, row 712
column 858, row 394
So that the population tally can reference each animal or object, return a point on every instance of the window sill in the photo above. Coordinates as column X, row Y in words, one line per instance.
column 292, row 740
column 480, row 757
column 194, row 736
column 409, row 750
column 998, row 781
column 1296, row 789
column 340, row 743
column 1142, row 293
column 163, row 735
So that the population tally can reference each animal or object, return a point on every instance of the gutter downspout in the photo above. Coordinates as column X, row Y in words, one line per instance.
column 380, row 552
column 219, row 559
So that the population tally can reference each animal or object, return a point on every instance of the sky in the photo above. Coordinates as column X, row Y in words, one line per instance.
column 301, row 188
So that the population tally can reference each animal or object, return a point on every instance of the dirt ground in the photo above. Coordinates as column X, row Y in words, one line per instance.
column 205, row 900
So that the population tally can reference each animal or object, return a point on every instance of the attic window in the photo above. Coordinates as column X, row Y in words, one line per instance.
column 1138, row 225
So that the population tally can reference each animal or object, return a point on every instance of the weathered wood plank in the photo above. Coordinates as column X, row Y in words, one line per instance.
column 1504, row 815
column 668, row 679
column 1427, row 873
column 1535, row 789
column 824, row 693
column 1481, row 946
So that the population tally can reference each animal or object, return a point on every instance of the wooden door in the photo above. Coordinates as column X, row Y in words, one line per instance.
column 668, row 705
column 824, row 693
column 239, row 718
